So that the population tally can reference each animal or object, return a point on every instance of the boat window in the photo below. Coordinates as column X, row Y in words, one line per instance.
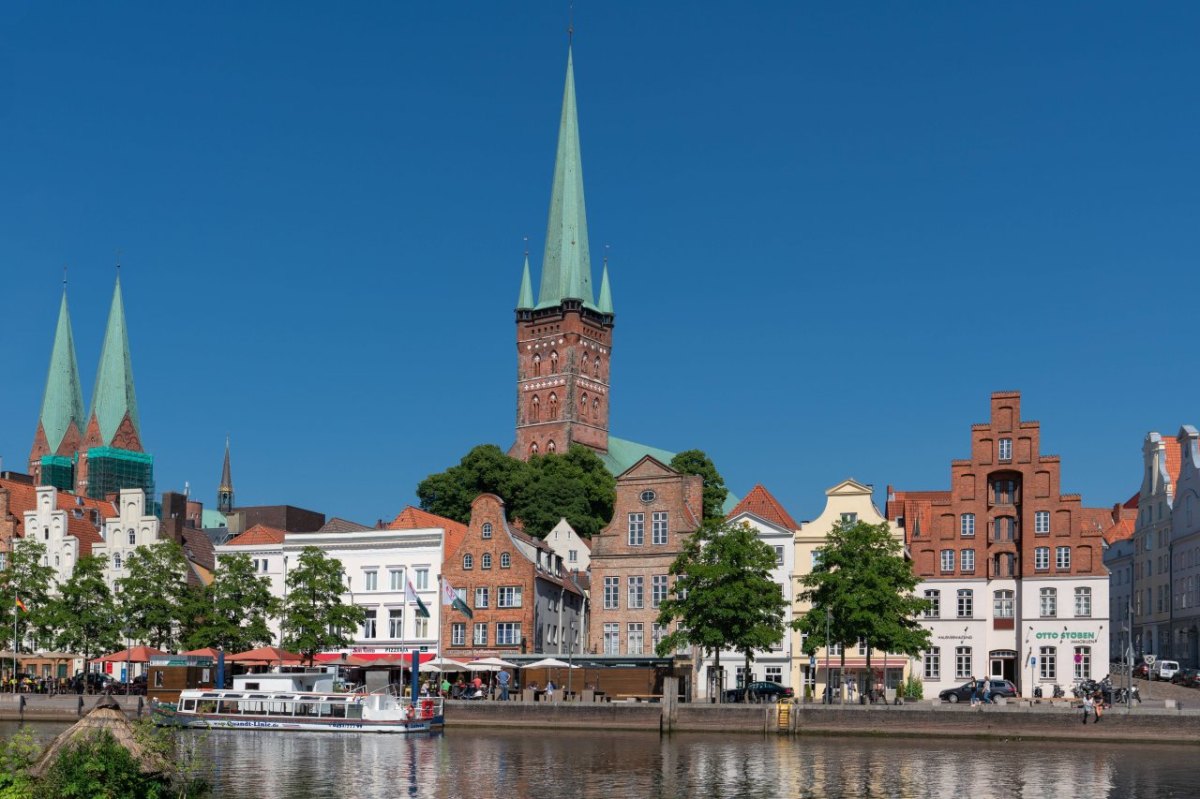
column 189, row 704
column 338, row 711
column 253, row 686
column 207, row 707
column 354, row 712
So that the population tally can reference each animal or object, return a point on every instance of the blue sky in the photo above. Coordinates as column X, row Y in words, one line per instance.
column 834, row 230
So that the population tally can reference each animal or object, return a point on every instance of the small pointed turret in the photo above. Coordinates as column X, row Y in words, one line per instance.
column 605, row 303
column 61, row 421
column 566, row 265
column 114, row 416
column 225, row 490
column 525, row 298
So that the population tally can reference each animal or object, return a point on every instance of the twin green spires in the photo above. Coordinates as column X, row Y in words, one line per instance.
column 566, row 265
column 62, row 404
column 113, row 397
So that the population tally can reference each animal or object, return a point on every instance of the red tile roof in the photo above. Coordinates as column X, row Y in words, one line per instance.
column 1174, row 459
column 412, row 518
column 258, row 535
column 23, row 497
column 760, row 503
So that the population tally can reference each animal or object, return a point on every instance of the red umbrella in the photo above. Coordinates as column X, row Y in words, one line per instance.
column 266, row 655
column 206, row 652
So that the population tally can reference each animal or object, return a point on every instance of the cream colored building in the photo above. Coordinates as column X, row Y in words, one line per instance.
column 849, row 501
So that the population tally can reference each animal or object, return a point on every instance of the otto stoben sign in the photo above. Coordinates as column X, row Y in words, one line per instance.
column 1066, row 635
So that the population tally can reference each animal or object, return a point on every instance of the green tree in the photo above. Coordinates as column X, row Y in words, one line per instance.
column 724, row 596
column 83, row 613
column 314, row 617
column 26, row 578
column 150, row 596
column 862, row 589
column 695, row 461
column 235, row 609
column 483, row 470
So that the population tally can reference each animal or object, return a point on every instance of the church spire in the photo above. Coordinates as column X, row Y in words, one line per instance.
column 60, row 423
column 114, row 415
column 605, row 304
column 225, row 490
column 525, row 298
column 566, row 265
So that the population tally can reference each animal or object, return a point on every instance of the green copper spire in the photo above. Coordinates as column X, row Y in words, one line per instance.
column 566, row 266
column 605, row 304
column 113, row 396
column 62, row 403
column 525, row 299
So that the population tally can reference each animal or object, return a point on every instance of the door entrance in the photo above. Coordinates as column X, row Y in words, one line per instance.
column 1003, row 665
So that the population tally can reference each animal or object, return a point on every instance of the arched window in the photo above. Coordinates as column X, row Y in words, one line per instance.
column 553, row 406
column 550, row 446
column 533, row 448
column 537, row 365
column 485, row 560
column 468, row 561
column 535, row 409
column 46, row 533
column 554, row 363
column 132, row 537
column 117, row 560
column 486, row 530
column 505, row 560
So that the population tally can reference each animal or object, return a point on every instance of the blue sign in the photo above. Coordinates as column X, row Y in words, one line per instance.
column 1033, row 661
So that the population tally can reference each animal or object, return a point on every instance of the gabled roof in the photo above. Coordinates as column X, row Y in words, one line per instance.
column 23, row 497
column 623, row 455
column 759, row 502
column 258, row 535
column 412, row 518
column 336, row 525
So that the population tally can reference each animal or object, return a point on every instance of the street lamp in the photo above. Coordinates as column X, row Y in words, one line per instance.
column 828, row 680
column 570, row 657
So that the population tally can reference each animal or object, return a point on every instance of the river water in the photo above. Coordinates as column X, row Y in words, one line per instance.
column 548, row 764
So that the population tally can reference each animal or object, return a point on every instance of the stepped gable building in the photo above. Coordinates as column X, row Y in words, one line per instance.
column 1012, row 566
column 655, row 509
column 1182, row 640
column 68, row 525
column 521, row 598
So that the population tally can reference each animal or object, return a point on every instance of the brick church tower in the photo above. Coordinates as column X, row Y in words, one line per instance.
column 564, row 338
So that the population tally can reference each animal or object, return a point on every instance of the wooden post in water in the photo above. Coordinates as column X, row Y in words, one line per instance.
column 670, row 702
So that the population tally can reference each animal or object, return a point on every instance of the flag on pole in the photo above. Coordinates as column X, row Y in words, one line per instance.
column 21, row 605
column 411, row 596
column 450, row 597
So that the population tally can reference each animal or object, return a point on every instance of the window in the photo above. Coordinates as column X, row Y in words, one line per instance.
column 1002, row 604
column 657, row 633
column 1004, row 564
column 468, row 561
column 508, row 596
column 1048, row 663
column 480, row 638
column 485, row 560
column 658, row 589
column 1041, row 522
column 486, row 530
column 369, row 623
column 634, row 640
column 636, row 593
column 1048, row 602
column 612, row 593
column 1083, row 662
column 505, row 560
column 395, row 623
column 508, row 633
column 647, row 496
column 778, row 556
column 947, row 560
column 422, row 579
column 835, row 650
column 1006, row 449
column 1083, row 602
column 370, row 581
column 968, row 560
column 116, row 560
column 934, row 598
column 775, row 674
column 862, row 648
column 966, row 525
column 1062, row 557
column 658, row 526
column 932, row 661
column 132, row 537
column 816, row 559
column 481, row 597
column 396, row 579
column 849, row 518
column 612, row 638
column 458, row 634
column 1041, row 558
column 1006, row 528
column 637, row 529
column 966, row 603
column 962, row 662
column 572, row 556
column 1005, row 492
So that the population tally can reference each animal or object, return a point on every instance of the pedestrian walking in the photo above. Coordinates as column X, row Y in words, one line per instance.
column 1088, row 706
column 974, row 686
column 987, row 692
column 850, row 687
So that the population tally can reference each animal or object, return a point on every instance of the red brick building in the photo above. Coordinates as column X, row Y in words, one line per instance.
column 656, row 508
column 521, row 598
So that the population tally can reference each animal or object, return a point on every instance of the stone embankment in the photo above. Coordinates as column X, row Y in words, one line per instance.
column 62, row 707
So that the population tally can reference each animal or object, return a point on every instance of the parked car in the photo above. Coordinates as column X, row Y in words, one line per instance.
column 963, row 692
column 1187, row 677
column 1164, row 669
column 760, row 692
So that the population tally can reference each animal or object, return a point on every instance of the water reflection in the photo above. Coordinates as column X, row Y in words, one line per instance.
column 522, row 763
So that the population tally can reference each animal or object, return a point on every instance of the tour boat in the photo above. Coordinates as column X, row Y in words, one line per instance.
column 300, row 701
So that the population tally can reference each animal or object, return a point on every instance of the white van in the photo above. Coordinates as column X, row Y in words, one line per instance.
column 1164, row 669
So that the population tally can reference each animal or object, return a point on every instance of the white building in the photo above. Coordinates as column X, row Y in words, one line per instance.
column 1185, row 549
column 575, row 551
column 131, row 528
column 1152, row 547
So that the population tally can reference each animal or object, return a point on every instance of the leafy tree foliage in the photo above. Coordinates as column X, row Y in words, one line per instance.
column 866, row 585
column 539, row 492
column 150, row 597
column 26, row 578
column 83, row 613
column 234, row 611
column 314, row 617
column 694, row 461
column 724, row 596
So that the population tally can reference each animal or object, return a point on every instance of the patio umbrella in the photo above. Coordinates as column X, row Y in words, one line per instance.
column 445, row 664
column 490, row 664
column 206, row 652
column 550, row 663
column 266, row 655
column 137, row 654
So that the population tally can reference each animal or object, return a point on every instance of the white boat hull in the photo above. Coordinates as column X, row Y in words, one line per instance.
column 294, row 725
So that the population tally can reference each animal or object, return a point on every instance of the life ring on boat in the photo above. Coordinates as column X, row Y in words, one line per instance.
column 426, row 708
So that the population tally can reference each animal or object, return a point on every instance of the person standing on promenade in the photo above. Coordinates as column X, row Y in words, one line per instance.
column 550, row 691
column 1088, row 707
column 974, row 686
column 850, row 690
column 502, row 680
